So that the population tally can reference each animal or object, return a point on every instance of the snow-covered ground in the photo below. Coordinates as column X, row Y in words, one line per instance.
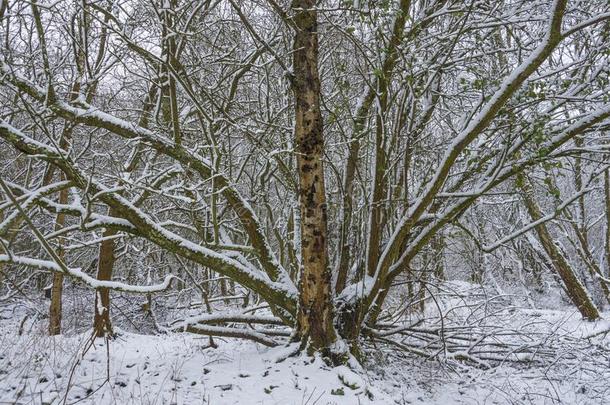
column 169, row 369
column 551, row 357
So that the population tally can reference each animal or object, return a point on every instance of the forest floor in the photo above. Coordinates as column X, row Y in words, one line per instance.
column 567, row 362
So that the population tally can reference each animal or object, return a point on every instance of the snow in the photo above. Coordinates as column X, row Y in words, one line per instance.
column 353, row 292
column 569, row 363
column 233, row 316
column 30, row 199
column 469, row 134
column 170, row 369
column 284, row 284
column 84, row 277
column 469, row 345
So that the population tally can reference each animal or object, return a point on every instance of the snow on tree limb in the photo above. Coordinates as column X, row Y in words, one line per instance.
column 83, row 277
column 283, row 294
column 90, row 116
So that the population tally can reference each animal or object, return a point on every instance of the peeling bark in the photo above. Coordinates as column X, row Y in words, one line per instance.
column 315, row 311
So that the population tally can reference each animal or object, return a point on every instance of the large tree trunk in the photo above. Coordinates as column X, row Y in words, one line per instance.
column 315, row 312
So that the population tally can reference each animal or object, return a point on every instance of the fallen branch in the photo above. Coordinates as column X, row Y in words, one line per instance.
column 229, row 332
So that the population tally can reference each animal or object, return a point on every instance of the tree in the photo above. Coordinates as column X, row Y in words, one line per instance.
column 315, row 311
column 317, row 185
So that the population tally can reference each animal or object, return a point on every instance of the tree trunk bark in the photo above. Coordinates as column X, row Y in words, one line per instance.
column 315, row 312
column 55, row 308
column 101, row 319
